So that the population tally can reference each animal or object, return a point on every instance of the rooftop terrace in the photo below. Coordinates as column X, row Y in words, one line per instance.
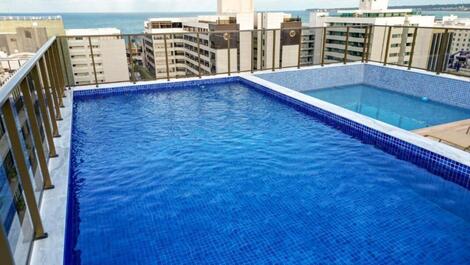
column 41, row 175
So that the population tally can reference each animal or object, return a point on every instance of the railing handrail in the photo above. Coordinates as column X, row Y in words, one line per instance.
column 364, row 25
column 24, row 70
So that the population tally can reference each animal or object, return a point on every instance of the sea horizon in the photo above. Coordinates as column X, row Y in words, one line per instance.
column 133, row 22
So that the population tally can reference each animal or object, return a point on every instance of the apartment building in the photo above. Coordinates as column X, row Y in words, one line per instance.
column 239, row 48
column 460, row 27
column 107, row 53
column 456, row 39
column 374, row 12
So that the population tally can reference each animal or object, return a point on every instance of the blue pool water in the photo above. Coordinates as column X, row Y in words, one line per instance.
column 223, row 174
column 394, row 108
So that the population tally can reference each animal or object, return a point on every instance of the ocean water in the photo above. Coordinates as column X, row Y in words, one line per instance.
column 126, row 22
column 406, row 112
column 134, row 22
column 223, row 174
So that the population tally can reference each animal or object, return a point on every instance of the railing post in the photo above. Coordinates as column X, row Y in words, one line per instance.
column 388, row 44
column 413, row 44
column 365, row 44
column 23, row 172
column 300, row 49
column 131, row 61
column 346, row 46
column 368, row 43
column 442, row 51
column 166, row 59
column 60, row 73
column 55, row 75
column 54, row 114
column 61, row 48
column 198, row 54
column 44, row 113
column 93, row 60
column 34, row 122
column 323, row 47
column 228, row 54
column 263, row 48
column 274, row 50
column 5, row 250
column 252, row 51
column 279, row 60
column 57, row 99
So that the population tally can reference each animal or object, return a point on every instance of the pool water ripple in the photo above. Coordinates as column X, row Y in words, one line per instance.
column 225, row 175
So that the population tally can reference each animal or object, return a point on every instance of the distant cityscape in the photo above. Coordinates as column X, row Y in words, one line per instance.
column 437, row 7
column 191, row 45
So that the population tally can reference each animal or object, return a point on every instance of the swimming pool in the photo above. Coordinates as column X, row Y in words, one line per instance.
column 223, row 174
column 404, row 111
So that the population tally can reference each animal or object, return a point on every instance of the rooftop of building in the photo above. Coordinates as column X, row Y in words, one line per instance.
column 92, row 32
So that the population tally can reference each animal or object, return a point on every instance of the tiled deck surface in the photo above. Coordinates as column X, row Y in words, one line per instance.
column 461, row 127
column 49, row 251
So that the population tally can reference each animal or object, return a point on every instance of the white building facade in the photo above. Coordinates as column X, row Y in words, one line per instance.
column 230, row 41
column 374, row 12
column 109, row 56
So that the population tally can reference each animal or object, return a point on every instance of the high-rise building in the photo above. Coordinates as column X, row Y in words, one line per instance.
column 243, row 46
column 455, row 41
column 107, row 52
column 227, row 7
column 375, row 12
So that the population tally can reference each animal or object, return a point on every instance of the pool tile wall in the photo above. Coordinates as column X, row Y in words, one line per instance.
column 94, row 92
column 449, row 91
column 318, row 78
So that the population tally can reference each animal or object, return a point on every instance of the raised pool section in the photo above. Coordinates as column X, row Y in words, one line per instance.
column 453, row 91
column 231, row 171
column 398, row 109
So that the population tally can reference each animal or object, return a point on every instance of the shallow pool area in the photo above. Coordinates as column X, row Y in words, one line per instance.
column 397, row 109
column 224, row 174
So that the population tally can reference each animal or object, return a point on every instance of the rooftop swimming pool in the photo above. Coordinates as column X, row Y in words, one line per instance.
column 401, row 110
column 227, row 174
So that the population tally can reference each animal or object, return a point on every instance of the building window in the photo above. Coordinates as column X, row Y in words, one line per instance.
column 28, row 34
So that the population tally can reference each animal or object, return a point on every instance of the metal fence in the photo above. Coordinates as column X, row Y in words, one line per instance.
column 32, row 98
column 30, row 109
column 143, row 57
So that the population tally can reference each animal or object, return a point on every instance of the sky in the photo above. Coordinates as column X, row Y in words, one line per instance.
column 50, row 6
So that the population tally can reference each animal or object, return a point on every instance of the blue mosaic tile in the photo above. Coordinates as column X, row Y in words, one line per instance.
column 149, row 87
column 437, row 164
column 311, row 79
column 437, row 88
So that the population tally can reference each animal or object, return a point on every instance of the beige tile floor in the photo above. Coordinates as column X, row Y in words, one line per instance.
column 458, row 128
